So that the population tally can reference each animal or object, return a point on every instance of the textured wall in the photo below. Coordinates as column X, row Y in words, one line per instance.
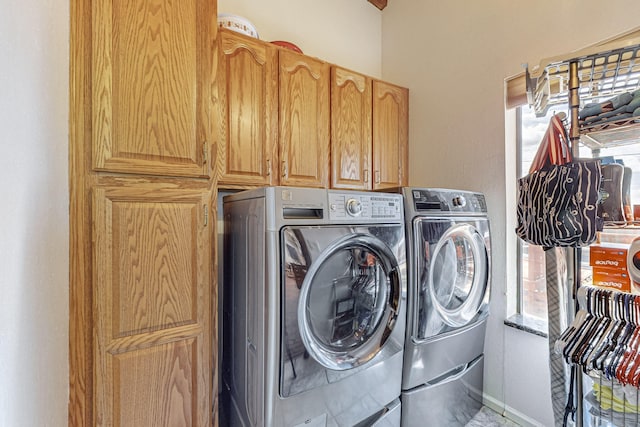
column 34, row 218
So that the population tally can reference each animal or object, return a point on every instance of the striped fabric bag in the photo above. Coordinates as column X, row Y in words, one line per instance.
column 557, row 200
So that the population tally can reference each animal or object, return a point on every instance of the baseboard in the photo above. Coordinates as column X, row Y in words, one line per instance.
column 509, row 412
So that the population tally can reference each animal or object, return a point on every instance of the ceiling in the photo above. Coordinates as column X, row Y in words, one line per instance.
column 380, row 4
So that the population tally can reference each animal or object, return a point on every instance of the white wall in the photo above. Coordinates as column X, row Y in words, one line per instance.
column 346, row 33
column 454, row 56
column 34, row 218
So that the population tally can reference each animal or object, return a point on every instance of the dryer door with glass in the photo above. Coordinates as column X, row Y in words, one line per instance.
column 452, row 271
column 341, row 299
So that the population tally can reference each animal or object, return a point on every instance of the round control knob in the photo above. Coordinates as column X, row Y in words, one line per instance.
column 459, row 201
column 354, row 207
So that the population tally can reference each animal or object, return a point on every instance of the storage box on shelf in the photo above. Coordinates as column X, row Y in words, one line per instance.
column 612, row 278
column 609, row 264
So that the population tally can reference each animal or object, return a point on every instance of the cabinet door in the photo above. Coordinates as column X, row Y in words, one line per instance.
column 350, row 130
column 152, row 307
column 390, row 135
column 248, row 93
column 151, row 93
column 304, row 120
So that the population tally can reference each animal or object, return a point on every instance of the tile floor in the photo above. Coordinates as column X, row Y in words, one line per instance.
column 485, row 418
column 489, row 418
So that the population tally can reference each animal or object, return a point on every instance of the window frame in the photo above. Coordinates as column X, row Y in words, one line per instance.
column 519, row 247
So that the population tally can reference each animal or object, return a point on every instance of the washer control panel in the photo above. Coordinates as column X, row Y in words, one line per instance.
column 351, row 206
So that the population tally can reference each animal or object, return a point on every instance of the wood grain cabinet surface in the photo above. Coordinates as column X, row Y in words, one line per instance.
column 290, row 119
column 274, row 111
column 142, row 327
column 369, row 132
column 248, row 105
column 304, row 120
column 390, row 135
column 151, row 256
column 351, row 109
column 151, row 88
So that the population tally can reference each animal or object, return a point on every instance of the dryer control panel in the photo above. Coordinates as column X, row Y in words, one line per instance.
column 443, row 200
column 365, row 207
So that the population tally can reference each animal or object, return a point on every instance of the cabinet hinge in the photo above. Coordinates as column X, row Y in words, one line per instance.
column 206, row 215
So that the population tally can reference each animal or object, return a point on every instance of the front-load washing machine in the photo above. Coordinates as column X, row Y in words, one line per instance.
column 449, row 266
column 314, row 308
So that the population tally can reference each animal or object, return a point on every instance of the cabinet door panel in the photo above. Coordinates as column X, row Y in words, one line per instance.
column 350, row 130
column 152, row 305
column 152, row 79
column 248, row 92
column 390, row 135
column 166, row 369
column 304, row 120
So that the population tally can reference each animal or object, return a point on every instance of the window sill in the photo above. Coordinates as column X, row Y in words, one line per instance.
column 528, row 324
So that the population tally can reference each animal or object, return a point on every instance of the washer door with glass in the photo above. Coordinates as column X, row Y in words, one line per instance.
column 341, row 299
column 452, row 271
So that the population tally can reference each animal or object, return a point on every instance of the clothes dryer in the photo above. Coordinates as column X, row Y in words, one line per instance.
column 314, row 307
column 449, row 266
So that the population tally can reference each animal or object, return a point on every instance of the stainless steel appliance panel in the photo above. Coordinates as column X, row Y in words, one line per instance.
column 451, row 269
column 342, row 297
column 243, row 372
column 425, row 362
column 450, row 400
column 449, row 265
column 267, row 232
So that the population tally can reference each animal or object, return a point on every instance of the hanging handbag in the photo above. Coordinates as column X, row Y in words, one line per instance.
column 557, row 200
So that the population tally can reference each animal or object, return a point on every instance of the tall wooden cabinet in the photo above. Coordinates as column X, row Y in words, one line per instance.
column 142, row 331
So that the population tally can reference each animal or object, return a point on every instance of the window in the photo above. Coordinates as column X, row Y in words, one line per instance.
column 532, row 295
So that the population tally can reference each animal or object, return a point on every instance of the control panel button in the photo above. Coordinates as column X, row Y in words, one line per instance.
column 459, row 201
column 354, row 207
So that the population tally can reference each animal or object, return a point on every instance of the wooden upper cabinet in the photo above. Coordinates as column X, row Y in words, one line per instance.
column 390, row 135
column 248, row 95
column 153, row 71
column 152, row 312
column 350, row 130
column 304, row 120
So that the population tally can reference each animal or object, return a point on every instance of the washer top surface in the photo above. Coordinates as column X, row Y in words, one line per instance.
column 442, row 201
